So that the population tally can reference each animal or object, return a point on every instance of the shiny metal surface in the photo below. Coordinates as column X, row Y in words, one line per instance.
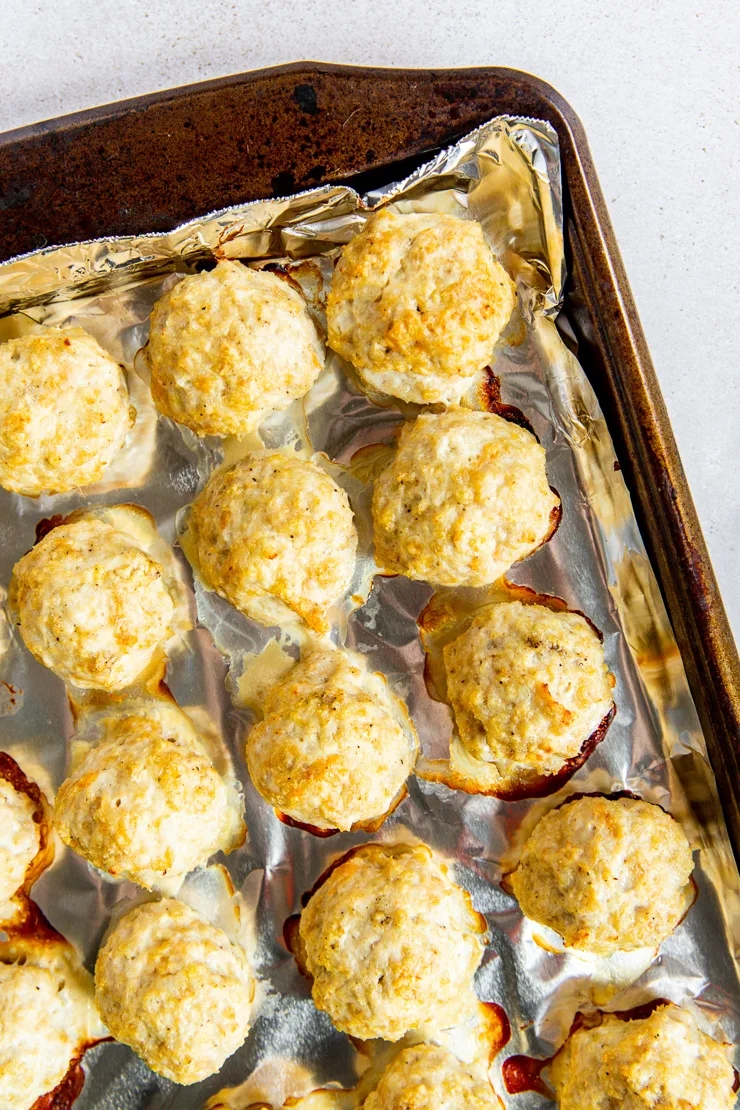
column 507, row 176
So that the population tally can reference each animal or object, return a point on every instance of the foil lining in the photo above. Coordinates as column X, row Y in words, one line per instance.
column 506, row 175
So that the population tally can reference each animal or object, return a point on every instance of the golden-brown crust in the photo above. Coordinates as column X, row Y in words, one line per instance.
column 464, row 498
column 663, row 1060
column 527, row 685
column 20, row 838
column 332, row 750
column 64, row 411
column 391, row 942
column 276, row 537
column 227, row 346
column 429, row 1077
column 417, row 304
column 47, row 1017
column 93, row 606
column 607, row 874
column 175, row 989
column 146, row 803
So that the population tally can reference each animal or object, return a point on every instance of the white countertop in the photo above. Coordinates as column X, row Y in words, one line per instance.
column 656, row 84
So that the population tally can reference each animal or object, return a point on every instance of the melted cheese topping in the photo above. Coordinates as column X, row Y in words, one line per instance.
column 93, row 606
column 332, row 750
column 146, row 803
column 175, row 989
column 417, row 304
column 19, row 838
column 464, row 497
column 527, row 685
column 64, row 411
column 228, row 346
column 392, row 943
column 606, row 874
column 662, row 1062
column 276, row 537
column 47, row 1016
column 428, row 1077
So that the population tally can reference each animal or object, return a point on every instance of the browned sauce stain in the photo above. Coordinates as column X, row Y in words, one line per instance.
column 523, row 1073
column 290, row 930
column 364, row 1048
column 505, row 883
column 292, row 941
column 695, row 895
column 556, row 515
column 345, row 856
column 497, row 1026
column 429, row 680
column 66, row 1093
column 438, row 612
column 14, row 693
column 544, row 785
column 490, row 398
column 282, row 272
column 12, row 773
column 612, row 796
column 226, row 237
column 46, row 525
column 30, row 925
column 314, row 830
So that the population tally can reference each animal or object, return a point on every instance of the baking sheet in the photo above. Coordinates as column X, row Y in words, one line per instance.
column 507, row 176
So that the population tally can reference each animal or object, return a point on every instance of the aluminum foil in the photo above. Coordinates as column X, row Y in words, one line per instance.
column 507, row 176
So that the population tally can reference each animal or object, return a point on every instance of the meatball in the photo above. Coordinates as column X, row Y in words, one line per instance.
column 275, row 536
column 391, row 942
column 92, row 605
column 38, row 1041
column 527, row 685
column 20, row 838
column 64, row 411
column 417, row 304
column 228, row 346
column 428, row 1077
column 607, row 874
column 464, row 497
column 146, row 803
column 175, row 989
column 662, row 1061
column 332, row 750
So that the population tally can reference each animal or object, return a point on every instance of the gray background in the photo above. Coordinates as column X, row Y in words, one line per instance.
column 657, row 85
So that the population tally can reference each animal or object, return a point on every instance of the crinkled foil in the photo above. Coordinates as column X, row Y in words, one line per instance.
column 507, row 176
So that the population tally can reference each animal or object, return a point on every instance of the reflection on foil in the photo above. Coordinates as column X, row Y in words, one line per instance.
column 507, row 176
